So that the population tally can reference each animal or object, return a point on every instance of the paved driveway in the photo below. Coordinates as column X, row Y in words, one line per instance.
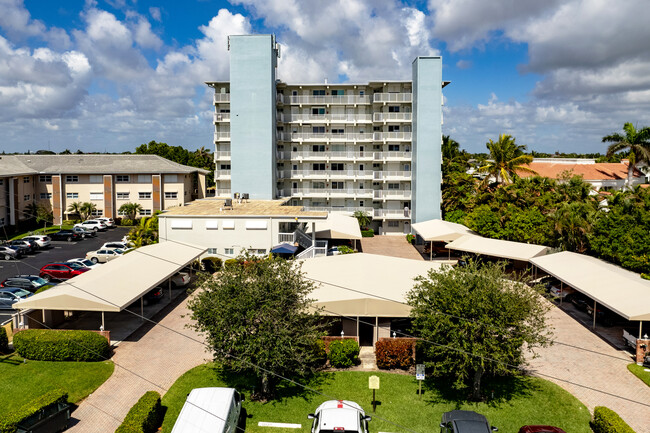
column 159, row 356
column 390, row 245
column 604, row 368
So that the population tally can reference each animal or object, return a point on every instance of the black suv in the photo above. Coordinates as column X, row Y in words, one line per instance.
column 27, row 282
column 465, row 421
column 65, row 235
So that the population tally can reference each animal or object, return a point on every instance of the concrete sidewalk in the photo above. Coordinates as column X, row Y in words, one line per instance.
column 152, row 362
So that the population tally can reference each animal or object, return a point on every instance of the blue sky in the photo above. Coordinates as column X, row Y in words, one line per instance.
column 110, row 75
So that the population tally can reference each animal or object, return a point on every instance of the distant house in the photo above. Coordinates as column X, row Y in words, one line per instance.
column 603, row 176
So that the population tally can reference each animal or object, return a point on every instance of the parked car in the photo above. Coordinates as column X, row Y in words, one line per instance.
column 27, row 282
column 339, row 415
column 540, row 429
column 103, row 256
column 10, row 295
column 85, row 262
column 7, row 252
column 580, row 301
column 65, row 235
column 465, row 421
column 20, row 251
column 115, row 246
column 61, row 271
column 92, row 225
column 41, row 240
column 603, row 315
column 153, row 296
column 334, row 251
column 29, row 246
column 180, row 279
column 84, row 233
column 223, row 404
column 108, row 222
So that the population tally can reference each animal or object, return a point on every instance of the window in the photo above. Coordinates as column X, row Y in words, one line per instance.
column 145, row 212
column 122, row 178
column 123, row 195
column 45, row 178
column 338, row 167
column 318, row 92
column 361, row 203
column 318, row 129
column 338, row 131
column 46, row 195
column 318, row 185
column 224, row 166
column 362, row 93
column 360, row 167
column 393, row 186
column 26, row 197
column 72, row 195
column 407, row 167
column 144, row 178
column 96, row 178
column 212, row 251
column 229, row 251
column 318, row 166
column 393, row 147
column 318, row 148
column 144, row 195
column 121, row 213
column 393, row 128
column 393, row 108
column 171, row 178
column 96, row 195
column 338, row 185
column 26, row 179
column 318, row 111
column 72, row 178
column 171, row 195
column 338, row 92
column 393, row 223
column 97, row 212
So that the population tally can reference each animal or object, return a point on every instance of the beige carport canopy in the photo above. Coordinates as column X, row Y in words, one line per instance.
column 623, row 292
column 117, row 284
column 364, row 284
column 440, row 231
column 337, row 226
column 498, row 248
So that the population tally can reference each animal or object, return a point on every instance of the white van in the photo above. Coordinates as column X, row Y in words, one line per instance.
column 209, row 410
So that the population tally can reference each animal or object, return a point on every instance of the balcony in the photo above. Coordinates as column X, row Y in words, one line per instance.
column 331, row 193
column 350, row 209
column 222, row 175
column 222, row 136
column 392, row 214
column 325, row 156
column 391, row 194
column 392, row 97
column 326, row 174
column 391, row 156
column 392, row 136
column 329, row 99
column 222, row 193
column 220, row 98
column 222, row 155
column 329, row 118
column 221, row 117
column 325, row 137
column 392, row 117
column 391, row 175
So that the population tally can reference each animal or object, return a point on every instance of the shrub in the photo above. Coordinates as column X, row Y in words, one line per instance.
column 44, row 288
column 410, row 238
column 344, row 353
column 9, row 423
column 4, row 340
column 51, row 345
column 345, row 249
column 127, row 222
column 367, row 233
column 607, row 421
column 645, row 276
column 211, row 264
column 320, row 353
column 145, row 416
column 231, row 262
column 395, row 352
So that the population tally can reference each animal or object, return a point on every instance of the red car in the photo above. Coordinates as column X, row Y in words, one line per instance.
column 61, row 271
column 540, row 429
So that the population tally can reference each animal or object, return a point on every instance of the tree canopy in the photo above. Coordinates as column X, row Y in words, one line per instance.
column 200, row 158
column 507, row 159
column 636, row 142
column 475, row 322
column 254, row 313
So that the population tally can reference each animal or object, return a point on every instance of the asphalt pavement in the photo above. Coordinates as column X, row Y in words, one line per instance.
column 59, row 251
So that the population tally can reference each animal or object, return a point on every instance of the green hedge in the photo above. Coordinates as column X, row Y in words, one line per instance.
column 51, row 345
column 607, row 421
column 211, row 264
column 127, row 222
column 8, row 424
column 344, row 353
column 145, row 416
column 395, row 353
column 231, row 262
column 367, row 233
column 4, row 340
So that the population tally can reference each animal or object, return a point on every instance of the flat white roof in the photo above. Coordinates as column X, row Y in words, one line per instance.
column 439, row 230
column 337, row 226
column 205, row 411
column 117, row 284
column 498, row 248
column 622, row 291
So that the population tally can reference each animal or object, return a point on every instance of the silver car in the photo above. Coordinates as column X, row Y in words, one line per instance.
column 7, row 253
column 41, row 240
column 10, row 295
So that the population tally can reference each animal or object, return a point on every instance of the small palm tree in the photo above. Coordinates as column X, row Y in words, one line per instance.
column 362, row 217
column 74, row 208
column 507, row 159
column 636, row 141
column 130, row 209
column 86, row 209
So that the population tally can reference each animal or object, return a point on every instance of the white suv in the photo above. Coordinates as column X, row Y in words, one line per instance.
column 339, row 415
column 92, row 225
column 107, row 221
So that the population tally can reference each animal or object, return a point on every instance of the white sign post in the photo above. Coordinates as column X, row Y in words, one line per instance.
column 419, row 375
column 373, row 383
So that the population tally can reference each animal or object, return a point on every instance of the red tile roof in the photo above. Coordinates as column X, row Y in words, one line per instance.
column 596, row 171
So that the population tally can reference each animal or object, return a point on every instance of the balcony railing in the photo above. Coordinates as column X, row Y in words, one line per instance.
column 393, row 136
column 222, row 117
column 391, row 194
column 223, row 193
column 328, row 118
column 392, row 117
column 221, row 98
column 326, row 136
column 222, row 155
column 326, row 174
column 392, row 97
column 324, row 156
column 222, row 174
column 222, row 136
column 391, row 156
column 391, row 175
column 322, row 192
column 328, row 99
column 392, row 213
column 286, row 237
column 350, row 209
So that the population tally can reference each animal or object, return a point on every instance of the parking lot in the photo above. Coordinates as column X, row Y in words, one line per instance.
column 59, row 251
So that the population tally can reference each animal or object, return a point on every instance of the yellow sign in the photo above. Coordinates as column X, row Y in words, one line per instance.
column 373, row 382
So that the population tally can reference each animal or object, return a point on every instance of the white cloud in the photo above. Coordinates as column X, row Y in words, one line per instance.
column 145, row 37
column 155, row 13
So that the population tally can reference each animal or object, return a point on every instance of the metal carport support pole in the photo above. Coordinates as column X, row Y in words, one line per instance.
column 594, row 323
column 430, row 250
column 169, row 282
column 103, row 327
column 142, row 308
column 640, row 327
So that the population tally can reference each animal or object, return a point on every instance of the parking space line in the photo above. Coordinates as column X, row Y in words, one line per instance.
column 278, row 424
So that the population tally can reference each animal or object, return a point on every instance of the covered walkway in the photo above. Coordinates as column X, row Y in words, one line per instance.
column 498, row 248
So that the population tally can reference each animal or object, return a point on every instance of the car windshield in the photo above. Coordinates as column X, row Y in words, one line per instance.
column 118, row 251
column 21, row 293
column 39, row 281
column 75, row 265
column 86, row 262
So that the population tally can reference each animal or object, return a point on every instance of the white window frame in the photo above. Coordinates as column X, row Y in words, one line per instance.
column 229, row 251
column 46, row 195
column 171, row 194
column 144, row 196
column 71, row 195
column 96, row 178
column 122, row 195
column 25, row 179
column 145, row 212
column 122, row 178
column 71, row 178
column 96, row 196
column 26, row 197
column 47, row 178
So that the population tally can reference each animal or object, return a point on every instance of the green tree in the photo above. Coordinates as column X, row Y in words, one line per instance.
column 130, row 210
column 86, row 209
column 74, row 208
column 474, row 322
column 257, row 313
column 362, row 217
column 573, row 223
column 637, row 142
column 146, row 232
column 507, row 159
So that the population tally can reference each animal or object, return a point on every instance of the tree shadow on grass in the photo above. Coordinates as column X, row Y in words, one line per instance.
column 11, row 359
column 495, row 391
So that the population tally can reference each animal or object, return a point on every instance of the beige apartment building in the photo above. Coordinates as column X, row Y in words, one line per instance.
column 108, row 181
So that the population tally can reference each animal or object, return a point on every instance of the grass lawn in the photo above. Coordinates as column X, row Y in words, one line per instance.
column 51, row 229
column 640, row 372
column 516, row 402
column 22, row 382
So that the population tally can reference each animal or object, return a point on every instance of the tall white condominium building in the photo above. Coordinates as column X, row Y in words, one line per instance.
column 339, row 147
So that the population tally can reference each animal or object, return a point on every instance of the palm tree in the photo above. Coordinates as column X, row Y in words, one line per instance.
column 86, row 209
column 130, row 209
column 362, row 217
column 74, row 208
column 145, row 233
column 507, row 159
column 636, row 141
column 450, row 148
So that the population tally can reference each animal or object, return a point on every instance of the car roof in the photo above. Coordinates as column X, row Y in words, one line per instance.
column 10, row 289
column 540, row 429
column 464, row 415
